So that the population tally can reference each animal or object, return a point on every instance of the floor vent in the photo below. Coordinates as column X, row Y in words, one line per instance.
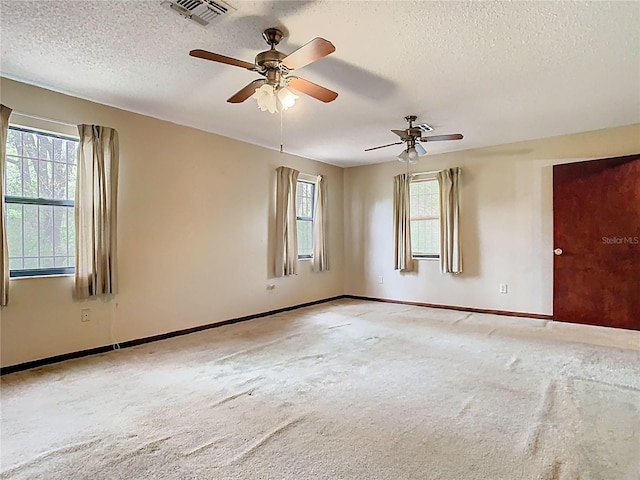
column 200, row 11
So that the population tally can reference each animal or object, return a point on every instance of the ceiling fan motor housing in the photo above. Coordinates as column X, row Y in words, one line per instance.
column 269, row 59
column 269, row 62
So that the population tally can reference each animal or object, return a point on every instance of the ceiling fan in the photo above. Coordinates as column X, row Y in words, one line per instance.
column 412, row 136
column 276, row 66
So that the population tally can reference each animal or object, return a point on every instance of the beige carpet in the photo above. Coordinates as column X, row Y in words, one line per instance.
column 343, row 390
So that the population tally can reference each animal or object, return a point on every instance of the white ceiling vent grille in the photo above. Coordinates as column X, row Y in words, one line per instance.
column 200, row 11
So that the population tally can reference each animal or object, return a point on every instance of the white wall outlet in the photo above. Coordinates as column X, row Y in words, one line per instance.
column 85, row 315
column 380, row 279
column 503, row 288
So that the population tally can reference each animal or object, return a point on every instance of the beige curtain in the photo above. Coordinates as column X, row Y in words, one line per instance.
column 96, row 211
column 286, row 225
column 320, row 258
column 450, row 250
column 5, row 113
column 402, row 223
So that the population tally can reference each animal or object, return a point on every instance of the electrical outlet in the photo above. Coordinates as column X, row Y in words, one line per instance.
column 380, row 279
column 85, row 315
column 503, row 288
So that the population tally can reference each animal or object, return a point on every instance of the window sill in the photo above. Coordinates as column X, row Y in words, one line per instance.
column 57, row 275
column 436, row 259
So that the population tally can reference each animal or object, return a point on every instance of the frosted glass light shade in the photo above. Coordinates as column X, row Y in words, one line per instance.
column 409, row 156
column 266, row 97
column 287, row 98
column 272, row 98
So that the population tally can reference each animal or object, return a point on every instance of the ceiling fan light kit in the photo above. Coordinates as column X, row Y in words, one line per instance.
column 273, row 99
column 273, row 93
column 410, row 155
column 412, row 136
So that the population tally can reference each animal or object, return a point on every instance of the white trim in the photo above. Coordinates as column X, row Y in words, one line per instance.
column 311, row 180
column 427, row 175
column 36, row 124
column 305, row 177
column 44, row 125
column 29, row 277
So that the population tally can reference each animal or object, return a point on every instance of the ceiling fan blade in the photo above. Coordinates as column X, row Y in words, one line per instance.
column 246, row 92
column 437, row 138
column 382, row 146
column 420, row 149
column 316, row 91
column 310, row 52
column 214, row 57
column 401, row 133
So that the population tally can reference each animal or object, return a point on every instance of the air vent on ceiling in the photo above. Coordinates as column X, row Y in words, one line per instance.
column 425, row 128
column 200, row 11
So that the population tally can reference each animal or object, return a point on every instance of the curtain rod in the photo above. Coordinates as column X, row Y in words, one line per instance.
column 44, row 119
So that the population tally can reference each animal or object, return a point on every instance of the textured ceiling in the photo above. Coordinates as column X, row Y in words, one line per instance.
column 497, row 72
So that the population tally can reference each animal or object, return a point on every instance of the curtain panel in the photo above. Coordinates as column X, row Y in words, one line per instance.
column 5, row 113
column 96, row 204
column 402, row 223
column 286, row 255
column 450, row 245
column 320, row 258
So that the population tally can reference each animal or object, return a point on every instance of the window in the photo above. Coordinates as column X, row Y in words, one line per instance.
column 425, row 218
column 305, row 192
column 39, row 195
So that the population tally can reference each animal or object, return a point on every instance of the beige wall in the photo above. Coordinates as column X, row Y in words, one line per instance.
column 194, row 248
column 507, row 223
column 195, row 226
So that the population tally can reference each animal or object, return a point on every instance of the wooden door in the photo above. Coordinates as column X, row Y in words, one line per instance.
column 596, row 218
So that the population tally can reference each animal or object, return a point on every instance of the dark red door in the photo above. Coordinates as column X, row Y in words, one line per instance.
column 596, row 218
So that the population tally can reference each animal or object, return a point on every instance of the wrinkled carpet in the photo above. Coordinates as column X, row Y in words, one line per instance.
column 343, row 390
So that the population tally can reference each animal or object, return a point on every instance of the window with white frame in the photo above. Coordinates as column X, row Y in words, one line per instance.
column 305, row 197
column 425, row 218
column 39, row 199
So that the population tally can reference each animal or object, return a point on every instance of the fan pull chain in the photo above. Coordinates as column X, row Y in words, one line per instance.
column 407, row 162
column 281, row 142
